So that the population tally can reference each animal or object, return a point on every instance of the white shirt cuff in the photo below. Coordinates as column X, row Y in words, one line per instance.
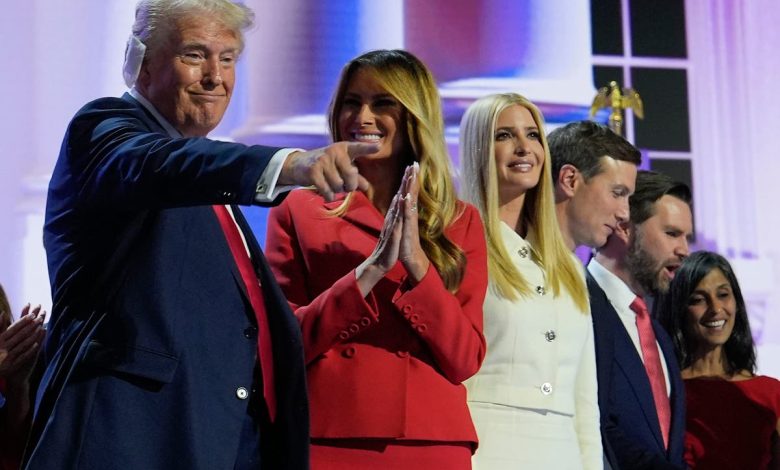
column 267, row 190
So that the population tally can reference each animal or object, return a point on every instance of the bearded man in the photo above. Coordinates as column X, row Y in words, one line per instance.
column 641, row 394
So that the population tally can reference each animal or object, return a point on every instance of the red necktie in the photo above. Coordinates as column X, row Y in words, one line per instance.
column 256, row 299
column 652, row 360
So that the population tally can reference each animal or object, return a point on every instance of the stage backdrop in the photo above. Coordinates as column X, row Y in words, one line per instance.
column 705, row 71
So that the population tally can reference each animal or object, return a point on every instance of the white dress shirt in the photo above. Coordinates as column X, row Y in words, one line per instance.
column 621, row 296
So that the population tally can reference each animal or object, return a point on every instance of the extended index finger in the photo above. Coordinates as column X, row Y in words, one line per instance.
column 359, row 149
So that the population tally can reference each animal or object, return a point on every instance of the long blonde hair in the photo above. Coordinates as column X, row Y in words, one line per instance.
column 409, row 81
column 480, row 187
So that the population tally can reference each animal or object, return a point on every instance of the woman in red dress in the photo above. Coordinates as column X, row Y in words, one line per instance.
column 733, row 415
column 387, row 282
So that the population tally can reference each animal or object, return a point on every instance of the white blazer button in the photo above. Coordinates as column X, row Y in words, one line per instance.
column 241, row 393
column 540, row 290
column 549, row 335
column 546, row 388
column 523, row 252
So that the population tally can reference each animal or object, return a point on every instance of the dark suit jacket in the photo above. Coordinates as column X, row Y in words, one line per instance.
column 153, row 333
column 632, row 435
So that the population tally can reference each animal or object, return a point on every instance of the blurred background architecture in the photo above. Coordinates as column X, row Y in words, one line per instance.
column 705, row 71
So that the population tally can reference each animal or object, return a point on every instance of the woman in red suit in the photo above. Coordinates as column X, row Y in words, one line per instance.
column 732, row 415
column 387, row 282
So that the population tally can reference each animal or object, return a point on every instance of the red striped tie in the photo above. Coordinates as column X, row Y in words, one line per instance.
column 652, row 360
column 252, row 284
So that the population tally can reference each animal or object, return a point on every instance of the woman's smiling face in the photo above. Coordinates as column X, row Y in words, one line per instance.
column 370, row 114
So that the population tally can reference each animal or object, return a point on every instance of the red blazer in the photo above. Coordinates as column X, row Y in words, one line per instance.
column 389, row 365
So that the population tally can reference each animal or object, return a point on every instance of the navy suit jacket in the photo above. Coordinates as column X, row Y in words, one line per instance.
column 632, row 435
column 152, row 331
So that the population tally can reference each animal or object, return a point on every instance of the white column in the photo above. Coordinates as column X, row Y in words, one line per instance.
column 63, row 56
column 17, row 24
column 734, row 139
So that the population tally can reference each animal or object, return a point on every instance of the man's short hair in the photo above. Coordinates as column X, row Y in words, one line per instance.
column 154, row 19
column 650, row 187
column 582, row 144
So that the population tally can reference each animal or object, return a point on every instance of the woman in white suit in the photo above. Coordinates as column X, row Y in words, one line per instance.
column 534, row 400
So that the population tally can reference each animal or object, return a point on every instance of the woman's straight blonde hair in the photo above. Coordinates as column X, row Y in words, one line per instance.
column 480, row 187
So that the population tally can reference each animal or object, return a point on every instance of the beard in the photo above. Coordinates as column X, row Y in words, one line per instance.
column 646, row 270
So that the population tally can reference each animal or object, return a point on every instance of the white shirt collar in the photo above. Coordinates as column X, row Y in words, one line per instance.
column 149, row 107
column 512, row 239
column 618, row 292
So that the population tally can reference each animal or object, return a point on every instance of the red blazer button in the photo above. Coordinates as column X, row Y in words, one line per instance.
column 349, row 352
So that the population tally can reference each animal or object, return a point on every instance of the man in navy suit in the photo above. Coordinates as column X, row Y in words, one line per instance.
column 594, row 171
column 643, row 413
column 152, row 356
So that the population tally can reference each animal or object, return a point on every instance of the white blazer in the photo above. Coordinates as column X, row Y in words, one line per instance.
column 540, row 352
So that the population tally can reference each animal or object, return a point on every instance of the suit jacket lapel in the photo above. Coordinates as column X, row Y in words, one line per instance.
column 361, row 213
column 260, row 265
column 225, row 253
column 677, row 395
column 628, row 359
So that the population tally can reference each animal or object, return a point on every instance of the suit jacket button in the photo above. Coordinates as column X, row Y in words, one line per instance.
column 403, row 353
column 421, row 327
column 407, row 308
column 546, row 388
column 540, row 290
column 242, row 393
column 349, row 352
column 344, row 334
column 354, row 328
column 414, row 318
column 365, row 321
column 549, row 335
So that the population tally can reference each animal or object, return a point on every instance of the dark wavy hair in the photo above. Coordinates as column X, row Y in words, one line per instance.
column 650, row 187
column 5, row 311
column 672, row 311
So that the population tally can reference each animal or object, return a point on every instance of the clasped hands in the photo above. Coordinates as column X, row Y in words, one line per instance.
column 399, row 239
column 20, row 343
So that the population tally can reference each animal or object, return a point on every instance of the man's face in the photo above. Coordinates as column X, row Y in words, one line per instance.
column 658, row 245
column 190, row 78
column 601, row 203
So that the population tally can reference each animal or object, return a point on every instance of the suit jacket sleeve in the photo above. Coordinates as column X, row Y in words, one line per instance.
column 450, row 324
column 118, row 158
column 586, row 415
